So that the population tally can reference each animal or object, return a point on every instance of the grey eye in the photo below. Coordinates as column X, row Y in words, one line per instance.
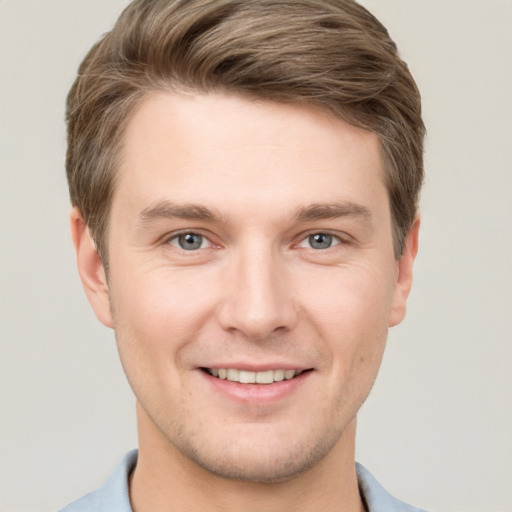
column 320, row 241
column 190, row 241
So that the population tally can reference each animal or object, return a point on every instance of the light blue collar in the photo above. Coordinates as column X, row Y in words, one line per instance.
column 114, row 496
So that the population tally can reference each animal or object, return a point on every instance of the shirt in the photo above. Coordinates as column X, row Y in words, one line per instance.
column 114, row 495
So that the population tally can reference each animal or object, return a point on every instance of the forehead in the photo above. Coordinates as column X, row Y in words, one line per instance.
column 222, row 150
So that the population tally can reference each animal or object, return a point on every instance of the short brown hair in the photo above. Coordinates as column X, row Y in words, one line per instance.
column 331, row 54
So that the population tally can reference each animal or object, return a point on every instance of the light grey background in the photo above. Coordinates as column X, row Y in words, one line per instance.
column 437, row 429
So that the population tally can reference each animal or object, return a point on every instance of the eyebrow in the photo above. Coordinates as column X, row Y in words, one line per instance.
column 169, row 210
column 320, row 211
column 332, row 211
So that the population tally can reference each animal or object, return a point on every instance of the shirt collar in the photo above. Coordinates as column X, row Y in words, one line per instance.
column 114, row 496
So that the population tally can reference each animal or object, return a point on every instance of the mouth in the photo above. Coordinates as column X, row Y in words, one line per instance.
column 248, row 377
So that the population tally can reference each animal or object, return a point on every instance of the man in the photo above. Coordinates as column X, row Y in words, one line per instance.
column 244, row 178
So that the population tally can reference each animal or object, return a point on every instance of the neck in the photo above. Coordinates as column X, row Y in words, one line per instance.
column 164, row 480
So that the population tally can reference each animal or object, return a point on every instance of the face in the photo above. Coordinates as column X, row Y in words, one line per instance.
column 252, row 279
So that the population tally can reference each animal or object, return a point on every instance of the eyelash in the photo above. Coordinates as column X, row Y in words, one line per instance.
column 334, row 239
column 176, row 236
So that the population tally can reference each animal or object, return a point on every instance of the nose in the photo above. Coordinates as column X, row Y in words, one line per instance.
column 258, row 297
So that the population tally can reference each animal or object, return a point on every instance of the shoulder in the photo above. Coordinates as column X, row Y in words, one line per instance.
column 113, row 496
column 376, row 497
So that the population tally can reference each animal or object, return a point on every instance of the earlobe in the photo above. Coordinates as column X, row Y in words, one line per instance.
column 404, row 275
column 90, row 268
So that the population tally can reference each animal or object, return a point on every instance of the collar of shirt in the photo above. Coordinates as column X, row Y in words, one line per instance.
column 114, row 495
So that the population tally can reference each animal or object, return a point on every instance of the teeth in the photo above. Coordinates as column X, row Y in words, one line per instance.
column 279, row 375
column 265, row 377
column 232, row 374
column 289, row 374
column 245, row 377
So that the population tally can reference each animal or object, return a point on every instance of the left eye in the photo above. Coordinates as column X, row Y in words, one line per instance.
column 320, row 241
column 190, row 241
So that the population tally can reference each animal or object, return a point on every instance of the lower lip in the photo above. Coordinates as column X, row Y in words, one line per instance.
column 257, row 393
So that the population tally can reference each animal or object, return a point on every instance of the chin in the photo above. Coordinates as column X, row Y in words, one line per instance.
column 258, row 469
column 265, row 462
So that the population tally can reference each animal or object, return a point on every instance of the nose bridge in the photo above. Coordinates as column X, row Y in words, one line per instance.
column 259, row 299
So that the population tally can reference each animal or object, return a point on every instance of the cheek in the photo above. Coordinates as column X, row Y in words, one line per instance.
column 156, row 315
column 162, row 304
column 351, row 316
column 354, row 299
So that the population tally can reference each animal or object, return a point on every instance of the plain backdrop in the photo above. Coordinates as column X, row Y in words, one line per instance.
column 437, row 429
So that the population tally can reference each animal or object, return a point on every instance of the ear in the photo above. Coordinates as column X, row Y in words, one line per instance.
column 90, row 268
column 404, row 275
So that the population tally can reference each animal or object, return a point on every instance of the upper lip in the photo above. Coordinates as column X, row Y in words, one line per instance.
column 259, row 367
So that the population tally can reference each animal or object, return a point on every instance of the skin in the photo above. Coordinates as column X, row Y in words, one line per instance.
column 255, row 180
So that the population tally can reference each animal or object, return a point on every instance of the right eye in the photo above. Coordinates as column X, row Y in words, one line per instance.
column 190, row 241
column 320, row 241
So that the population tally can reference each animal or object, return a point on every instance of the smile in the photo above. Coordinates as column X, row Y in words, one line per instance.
column 247, row 377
